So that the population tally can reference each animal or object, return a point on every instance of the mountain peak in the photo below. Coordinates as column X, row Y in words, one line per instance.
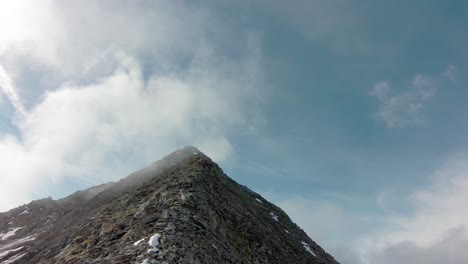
column 181, row 155
column 181, row 209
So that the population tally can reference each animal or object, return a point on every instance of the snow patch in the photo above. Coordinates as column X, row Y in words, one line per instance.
column 258, row 200
column 195, row 153
column 18, row 242
column 139, row 241
column 307, row 247
column 4, row 236
column 154, row 243
column 6, row 252
column 286, row 231
column 274, row 216
column 24, row 212
column 14, row 258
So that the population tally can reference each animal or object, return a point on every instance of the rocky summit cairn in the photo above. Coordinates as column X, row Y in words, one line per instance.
column 181, row 209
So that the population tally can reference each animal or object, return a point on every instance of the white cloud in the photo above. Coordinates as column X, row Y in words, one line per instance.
column 31, row 30
column 74, row 41
column 407, row 107
column 435, row 230
column 450, row 249
column 81, row 130
column 120, row 91
column 9, row 89
column 450, row 73
column 437, row 206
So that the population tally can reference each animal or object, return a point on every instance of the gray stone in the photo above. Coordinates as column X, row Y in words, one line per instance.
column 201, row 215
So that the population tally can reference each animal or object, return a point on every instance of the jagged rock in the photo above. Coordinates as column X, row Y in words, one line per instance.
column 182, row 209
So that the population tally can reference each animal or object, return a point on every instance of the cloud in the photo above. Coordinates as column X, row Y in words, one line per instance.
column 118, row 92
column 436, row 206
column 451, row 249
column 435, row 229
column 74, row 41
column 8, row 88
column 80, row 131
column 407, row 107
column 30, row 30
column 450, row 73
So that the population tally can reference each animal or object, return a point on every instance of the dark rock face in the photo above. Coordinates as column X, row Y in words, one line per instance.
column 182, row 209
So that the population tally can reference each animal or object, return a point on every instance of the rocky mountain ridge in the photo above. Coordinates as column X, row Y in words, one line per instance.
column 181, row 209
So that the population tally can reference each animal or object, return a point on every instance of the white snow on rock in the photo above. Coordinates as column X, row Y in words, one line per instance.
column 139, row 241
column 307, row 247
column 258, row 200
column 24, row 212
column 147, row 261
column 195, row 153
column 154, row 243
column 17, row 242
column 10, row 233
column 286, row 231
column 274, row 216
column 14, row 258
column 6, row 252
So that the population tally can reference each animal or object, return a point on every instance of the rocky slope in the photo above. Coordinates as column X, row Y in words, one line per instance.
column 182, row 209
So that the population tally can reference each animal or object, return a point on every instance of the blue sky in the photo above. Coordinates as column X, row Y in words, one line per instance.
column 350, row 115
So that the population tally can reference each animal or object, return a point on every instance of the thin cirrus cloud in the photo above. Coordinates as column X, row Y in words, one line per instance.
column 9, row 90
column 113, row 89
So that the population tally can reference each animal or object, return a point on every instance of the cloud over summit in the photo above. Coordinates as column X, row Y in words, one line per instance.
column 116, row 88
